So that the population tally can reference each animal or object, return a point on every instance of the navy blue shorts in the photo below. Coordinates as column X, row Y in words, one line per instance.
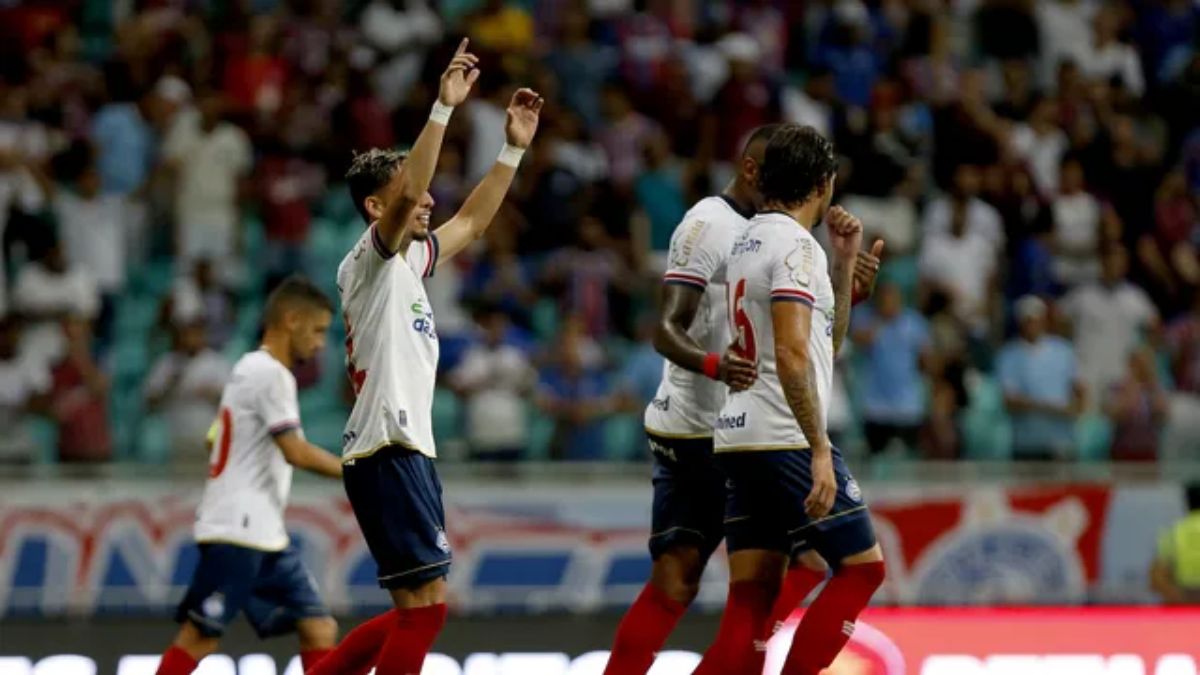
column 689, row 495
column 397, row 499
column 273, row 588
column 765, row 506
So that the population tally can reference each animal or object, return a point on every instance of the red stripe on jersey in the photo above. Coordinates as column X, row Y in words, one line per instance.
column 685, row 278
column 792, row 294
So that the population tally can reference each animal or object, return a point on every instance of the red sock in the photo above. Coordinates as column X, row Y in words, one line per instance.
column 797, row 584
column 410, row 639
column 357, row 652
column 175, row 661
column 311, row 657
column 742, row 626
column 829, row 621
column 643, row 631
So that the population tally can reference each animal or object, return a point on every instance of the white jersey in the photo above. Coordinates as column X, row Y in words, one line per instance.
column 775, row 260
column 248, row 477
column 391, row 346
column 686, row 403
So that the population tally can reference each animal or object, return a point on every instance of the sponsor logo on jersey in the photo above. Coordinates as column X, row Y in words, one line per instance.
column 423, row 321
column 731, row 421
column 745, row 244
column 663, row 404
column 660, row 449
column 682, row 254
column 213, row 606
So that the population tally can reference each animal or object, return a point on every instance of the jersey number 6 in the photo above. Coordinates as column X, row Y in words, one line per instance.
column 743, row 331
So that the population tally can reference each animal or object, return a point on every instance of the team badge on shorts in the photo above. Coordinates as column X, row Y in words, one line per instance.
column 442, row 542
column 853, row 491
column 213, row 606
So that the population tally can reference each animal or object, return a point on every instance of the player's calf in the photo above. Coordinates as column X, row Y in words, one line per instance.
column 186, row 652
column 829, row 621
column 754, row 579
column 318, row 636
column 674, row 583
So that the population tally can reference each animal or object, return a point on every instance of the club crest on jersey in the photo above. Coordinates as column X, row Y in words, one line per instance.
column 683, row 253
column 800, row 263
column 423, row 321
column 213, row 606
column 443, row 542
column 853, row 491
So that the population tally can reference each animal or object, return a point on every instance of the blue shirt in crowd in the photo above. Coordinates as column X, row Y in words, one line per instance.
column 584, row 442
column 125, row 147
column 893, row 392
column 1044, row 372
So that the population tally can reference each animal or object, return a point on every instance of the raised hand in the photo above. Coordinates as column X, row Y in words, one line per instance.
column 460, row 75
column 866, row 267
column 845, row 233
column 523, row 113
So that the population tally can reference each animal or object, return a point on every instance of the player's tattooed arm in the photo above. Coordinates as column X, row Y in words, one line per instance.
column 671, row 339
column 304, row 455
column 843, row 283
column 481, row 205
column 845, row 238
column 410, row 184
column 792, row 322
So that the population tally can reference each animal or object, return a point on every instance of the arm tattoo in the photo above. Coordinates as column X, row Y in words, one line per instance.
column 800, row 389
column 843, row 283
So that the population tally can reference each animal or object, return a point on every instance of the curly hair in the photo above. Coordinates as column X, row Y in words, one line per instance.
column 798, row 161
column 369, row 172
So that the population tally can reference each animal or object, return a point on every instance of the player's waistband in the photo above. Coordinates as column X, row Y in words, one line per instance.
column 763, row 447
column 403, row 446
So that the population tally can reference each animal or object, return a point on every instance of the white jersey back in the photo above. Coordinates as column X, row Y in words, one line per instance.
column 248, row 477
column 775, row 260
column 391, row 345
column 686, row 403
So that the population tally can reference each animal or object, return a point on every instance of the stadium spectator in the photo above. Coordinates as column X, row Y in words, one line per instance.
column 1104, row 58
column 1169, row 252
column 288, row 184
column 208, row 157
column 1076, row 218
column 20, row 195
column 577, row 396
column 1175, row 574
column 895, row 341
column 1110, row 317
column 47, row 292
column 1182, row 435
column 588, row 275
column 1041, row 144
column 980, row 219
column 1137, row 405
column 623, row 135
column 123, row 137
column 185, row 385
column 200, row 296
column 23, row 385
column 1065, row 31
column 1041, row 385
column 585, row 64
column 961, row 265
column 79, row 398
column 501, row 27
column 495, row 378
column 746, row 101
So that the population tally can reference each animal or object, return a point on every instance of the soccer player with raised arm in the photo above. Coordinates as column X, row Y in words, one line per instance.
column 391, row 356
column 789, row 490
column 689, row 489
column 247, row 565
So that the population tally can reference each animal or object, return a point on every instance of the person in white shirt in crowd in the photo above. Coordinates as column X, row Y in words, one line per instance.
column 24, row 147
column 495, row 380
column 210, row 157
column 200, row 294
column 1065, row 31
column 47, row 291
column 1041, row 143
column 1076, row 216
column 23, row 385
column 400, row 33
column 981, row 220
column 1106, row 58
column 962, row 265
column 1110, row 318
column 185, row 384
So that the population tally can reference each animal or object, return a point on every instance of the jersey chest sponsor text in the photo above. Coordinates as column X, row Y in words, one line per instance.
column 731, row 421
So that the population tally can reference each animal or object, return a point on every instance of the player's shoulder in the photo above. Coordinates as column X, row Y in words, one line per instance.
column 714, row 208
column 259, row 367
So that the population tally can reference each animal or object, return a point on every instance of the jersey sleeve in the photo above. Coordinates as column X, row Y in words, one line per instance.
column 277, row 403
column 422, row 255
column 794, row 272
column 696, row 254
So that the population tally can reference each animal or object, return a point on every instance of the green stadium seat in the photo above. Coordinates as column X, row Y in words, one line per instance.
column 623, row 437
column 153, row 440
column 325, row 429
column 545, row 319
column 45, row 437
column 541, row 431
column 1093, row 437
column 447, row 416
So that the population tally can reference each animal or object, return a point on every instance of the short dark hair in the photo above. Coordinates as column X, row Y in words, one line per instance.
column 1193, row 496
column 761, row 134
column 291, row 293
column 369, row 172
column 798, row 161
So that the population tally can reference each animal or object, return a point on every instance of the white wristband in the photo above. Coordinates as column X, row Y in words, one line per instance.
column 440, row 113
column 510, row 155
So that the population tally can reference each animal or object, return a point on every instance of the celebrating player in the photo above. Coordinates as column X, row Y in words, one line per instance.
column 789, row 490
column 246, row 562
column 392, row 353
column 689, row 489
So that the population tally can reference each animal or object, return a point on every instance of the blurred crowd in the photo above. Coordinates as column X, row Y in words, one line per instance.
column 1033, row 167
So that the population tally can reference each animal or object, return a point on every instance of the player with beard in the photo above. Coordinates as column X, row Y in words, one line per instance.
column 789, row 490
column 391, row 356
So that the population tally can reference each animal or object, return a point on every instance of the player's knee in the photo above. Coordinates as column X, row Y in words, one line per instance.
column 677, row 574
column 868, row 574
column 678, row 588
column 196, row 644
column 432, row 592
column 812, row 561
column 318, row 632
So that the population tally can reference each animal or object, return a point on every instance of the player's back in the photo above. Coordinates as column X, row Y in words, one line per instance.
column 686, row 402
column 774, row 260
column 249, row 479
column 391, row 345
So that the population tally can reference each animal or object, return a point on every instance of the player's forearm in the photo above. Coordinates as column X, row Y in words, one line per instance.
column 843, row 285
column 799, row 382
column 409, row 184
column 319, row 461
column 671, row 339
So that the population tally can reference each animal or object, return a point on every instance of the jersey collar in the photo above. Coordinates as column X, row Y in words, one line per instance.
column 743, row 212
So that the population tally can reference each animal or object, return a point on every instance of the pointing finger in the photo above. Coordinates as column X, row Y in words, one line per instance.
column 462, row 46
